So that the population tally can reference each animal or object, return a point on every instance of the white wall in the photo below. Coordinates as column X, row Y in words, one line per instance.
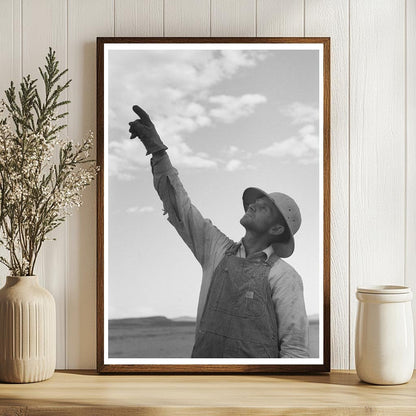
column 373, row 132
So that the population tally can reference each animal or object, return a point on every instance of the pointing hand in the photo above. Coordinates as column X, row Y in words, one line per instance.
column 145, row 130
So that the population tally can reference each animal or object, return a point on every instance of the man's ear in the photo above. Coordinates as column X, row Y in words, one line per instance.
column 277, row 230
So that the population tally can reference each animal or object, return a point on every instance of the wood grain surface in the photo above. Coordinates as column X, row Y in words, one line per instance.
column 233, row 18
column 280, row 18
column 85, row 19
column 186, row 18
column 138, row 17
column 377, row 148
column 410, row 259
column 330, row 18
column 36, row 40
column 83, row 392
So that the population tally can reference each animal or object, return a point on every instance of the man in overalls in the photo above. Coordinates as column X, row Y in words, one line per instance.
column 251, row 301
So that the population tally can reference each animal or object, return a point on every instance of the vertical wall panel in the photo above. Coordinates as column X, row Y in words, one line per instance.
column 6, row 45
column 411, row 151
column 187, row 18
column 330, row 18
column 10, row 66
column 87, row 20
column 44, row 24
column 10, row 44
column 138, row 17
column 233, row 18
column 279, row 18
column 377, row 153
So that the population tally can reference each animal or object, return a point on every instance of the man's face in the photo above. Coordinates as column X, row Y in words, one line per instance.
column 260, row 216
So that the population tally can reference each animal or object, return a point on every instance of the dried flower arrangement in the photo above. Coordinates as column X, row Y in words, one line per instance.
column 42, row 176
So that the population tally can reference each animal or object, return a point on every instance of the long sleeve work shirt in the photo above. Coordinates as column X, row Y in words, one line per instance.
column 209, row 244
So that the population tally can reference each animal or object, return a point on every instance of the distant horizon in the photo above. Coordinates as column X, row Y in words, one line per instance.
column 188, row 318
column 154, row 316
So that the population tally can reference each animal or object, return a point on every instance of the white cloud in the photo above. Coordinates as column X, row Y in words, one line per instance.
column 233, row 164
column 125, row 158
column 301, row 113
column 307, row 129
column 235, row 158
column 288, row 147
column 232, row 108
column 308, row 160
column 174, row 87
column 232, row 150
column 182, row 156
column 309, row 137
column 146, row 209
column 138, row 210
column 304, row 147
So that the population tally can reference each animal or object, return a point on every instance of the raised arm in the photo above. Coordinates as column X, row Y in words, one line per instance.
column 201, row 236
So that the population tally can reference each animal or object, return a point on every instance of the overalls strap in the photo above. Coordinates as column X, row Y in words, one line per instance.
column 239, row 319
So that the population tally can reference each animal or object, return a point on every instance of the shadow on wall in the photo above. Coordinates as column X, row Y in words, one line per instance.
column 160, row 337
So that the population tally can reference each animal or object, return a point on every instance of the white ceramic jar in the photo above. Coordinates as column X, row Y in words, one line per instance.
column 384, row 338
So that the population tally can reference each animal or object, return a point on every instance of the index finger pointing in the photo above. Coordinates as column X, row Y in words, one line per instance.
column 141, row 113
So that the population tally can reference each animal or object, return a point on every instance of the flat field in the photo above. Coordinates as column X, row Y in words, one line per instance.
column 160, row 337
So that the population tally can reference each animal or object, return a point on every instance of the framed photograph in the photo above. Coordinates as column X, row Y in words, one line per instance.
column 213, row 205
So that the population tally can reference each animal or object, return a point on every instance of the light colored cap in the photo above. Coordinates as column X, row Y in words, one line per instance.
column 289, row 210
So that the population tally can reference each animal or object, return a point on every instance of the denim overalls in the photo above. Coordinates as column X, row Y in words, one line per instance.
column 239, row 319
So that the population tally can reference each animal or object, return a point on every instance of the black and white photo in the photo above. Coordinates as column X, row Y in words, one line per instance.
column 214, row 194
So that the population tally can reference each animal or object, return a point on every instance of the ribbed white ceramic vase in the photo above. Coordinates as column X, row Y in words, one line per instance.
column 384, row 341
column 27, row 331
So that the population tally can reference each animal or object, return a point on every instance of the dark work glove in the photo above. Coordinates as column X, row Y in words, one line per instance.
column 145, row 130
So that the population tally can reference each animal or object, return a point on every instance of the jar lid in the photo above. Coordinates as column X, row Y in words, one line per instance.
column 384, row 289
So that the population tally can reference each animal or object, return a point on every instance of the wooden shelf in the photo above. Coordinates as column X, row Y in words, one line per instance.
column 86, row 393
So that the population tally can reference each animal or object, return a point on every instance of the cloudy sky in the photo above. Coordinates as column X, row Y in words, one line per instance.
column 231, row 119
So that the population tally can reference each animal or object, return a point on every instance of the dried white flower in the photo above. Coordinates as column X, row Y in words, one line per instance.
column 42, row 175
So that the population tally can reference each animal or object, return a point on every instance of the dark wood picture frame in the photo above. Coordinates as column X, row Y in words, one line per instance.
column 103, row 367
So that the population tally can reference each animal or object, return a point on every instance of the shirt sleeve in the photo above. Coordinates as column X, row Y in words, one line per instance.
column 200, row 235
column 293, row 326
